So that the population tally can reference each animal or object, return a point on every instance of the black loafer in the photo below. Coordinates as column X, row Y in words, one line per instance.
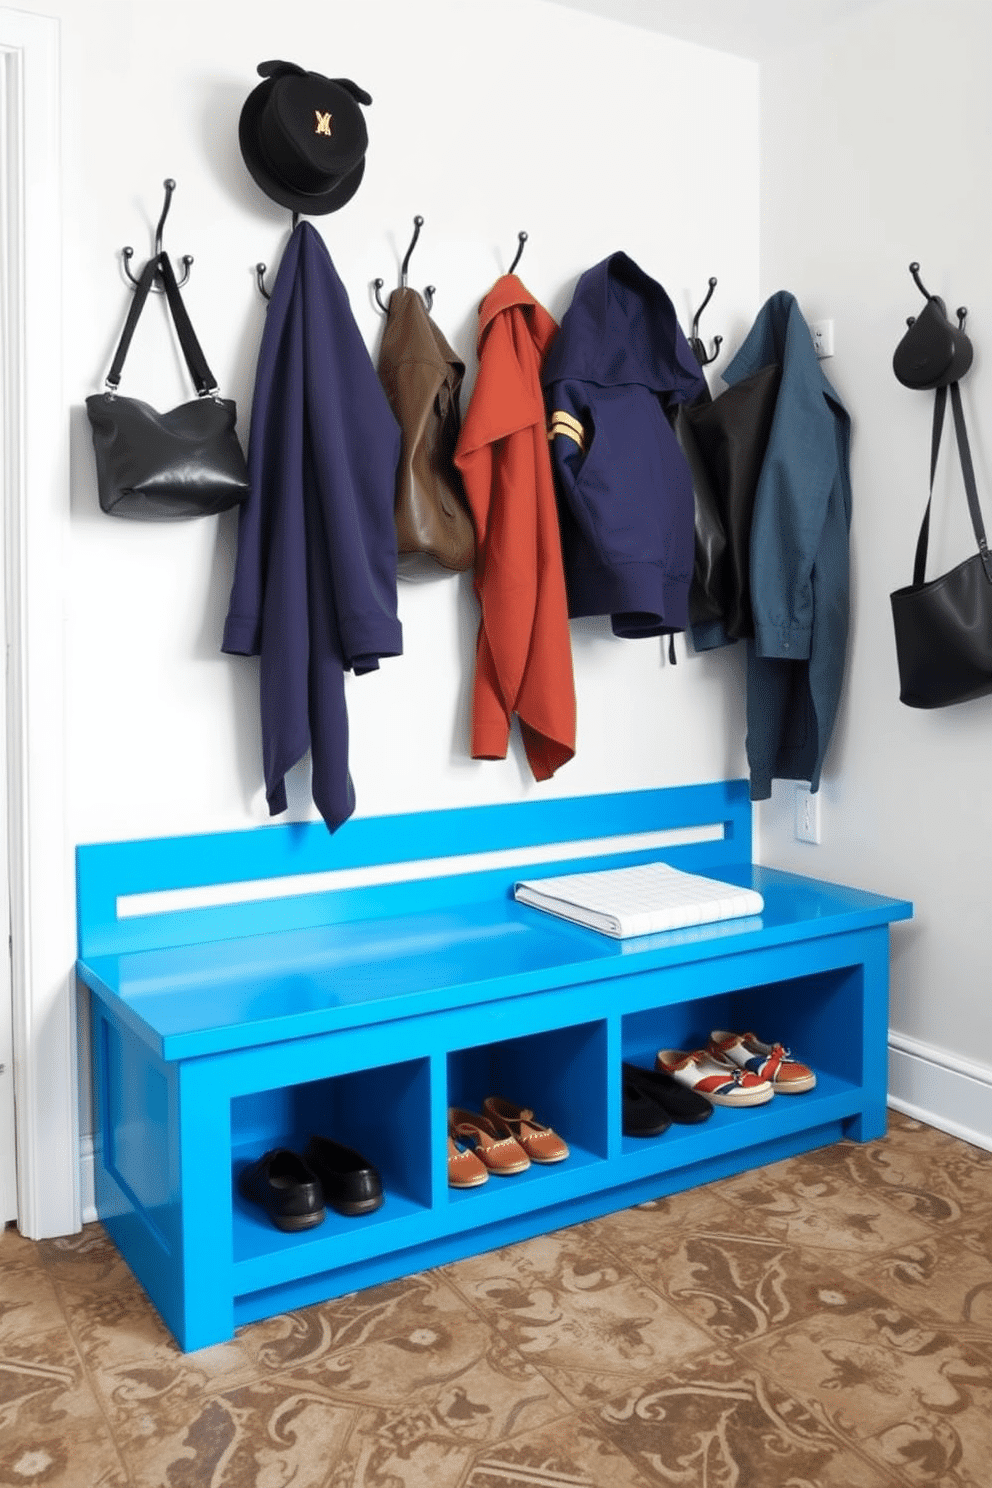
column 286, row 1188
column 351, row 1184
column 678, row 1101
column 642, row 1117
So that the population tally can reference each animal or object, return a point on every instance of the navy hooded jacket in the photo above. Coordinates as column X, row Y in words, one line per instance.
column 613, row 379
column 314, row 590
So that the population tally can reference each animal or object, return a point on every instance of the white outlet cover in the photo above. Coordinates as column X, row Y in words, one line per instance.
column 807, row 815
column 822, row 332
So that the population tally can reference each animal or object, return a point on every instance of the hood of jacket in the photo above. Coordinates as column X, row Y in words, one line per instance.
column 621, row 328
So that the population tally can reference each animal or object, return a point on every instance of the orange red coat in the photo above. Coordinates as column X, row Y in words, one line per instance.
column 524, row 652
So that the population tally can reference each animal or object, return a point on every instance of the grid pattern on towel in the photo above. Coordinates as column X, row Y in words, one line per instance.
column 639, row 900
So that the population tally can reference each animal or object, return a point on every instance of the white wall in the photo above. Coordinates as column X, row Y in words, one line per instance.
column 874, row 150
column 490, row 117
column 487, row 118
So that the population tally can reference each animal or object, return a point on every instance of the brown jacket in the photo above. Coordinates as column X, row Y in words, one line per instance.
column 422, row 377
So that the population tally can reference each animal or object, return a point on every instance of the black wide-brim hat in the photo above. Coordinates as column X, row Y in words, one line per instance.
column 303, row 138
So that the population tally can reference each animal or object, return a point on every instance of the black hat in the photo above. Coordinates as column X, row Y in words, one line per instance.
column 303, row 138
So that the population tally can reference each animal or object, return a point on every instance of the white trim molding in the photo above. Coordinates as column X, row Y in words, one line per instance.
column 941, row 1089
column 88, row 1149
column 36, row 529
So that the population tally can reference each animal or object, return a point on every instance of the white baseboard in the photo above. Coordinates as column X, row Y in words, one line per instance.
column 941, row 1089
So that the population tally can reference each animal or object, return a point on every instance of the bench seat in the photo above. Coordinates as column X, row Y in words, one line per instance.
column 363, row 1009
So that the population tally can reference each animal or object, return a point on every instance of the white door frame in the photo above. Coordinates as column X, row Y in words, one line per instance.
column 35, row 474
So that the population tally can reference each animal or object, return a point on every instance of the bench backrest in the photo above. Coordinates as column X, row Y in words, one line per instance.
column 172, row 891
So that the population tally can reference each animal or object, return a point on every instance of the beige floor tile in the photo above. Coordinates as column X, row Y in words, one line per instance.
column 417, row 1447
column 274, row 1432
column 945, row 1278
column 696, row 1208
column 716, row 1422
column 52, row 1430
column 415, row 1327
column 570, row 1454
column 916, row 1398
column 934, row 1178
column 813, row 1201
column 85, row 1259
column 407, row 1448
column 142, row 1377
column 29, row 1304
column 412, row 1343
column 14, row 1249
column 564, row 1302
column 739, row 1287
column 82, row 1457
column 903, row 1128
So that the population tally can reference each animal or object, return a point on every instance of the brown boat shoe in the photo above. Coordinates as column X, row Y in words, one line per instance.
column 541, row 1144
column 501, row 1154
column 465, row 1170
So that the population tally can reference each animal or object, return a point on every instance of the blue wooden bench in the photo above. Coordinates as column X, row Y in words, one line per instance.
column 250, row 988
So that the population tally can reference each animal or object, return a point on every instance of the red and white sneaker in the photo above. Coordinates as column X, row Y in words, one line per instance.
column 723, row 1084
column 771, row 1062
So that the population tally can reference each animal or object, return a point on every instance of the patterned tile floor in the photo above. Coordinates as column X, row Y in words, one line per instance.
column 825, row 1321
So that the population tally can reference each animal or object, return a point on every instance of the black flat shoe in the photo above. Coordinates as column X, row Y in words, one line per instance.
column 642, row 1117
column 351, row 1184
column 678, row 1101
column 286, row 1188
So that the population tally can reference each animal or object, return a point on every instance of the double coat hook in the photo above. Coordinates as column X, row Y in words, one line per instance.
column 128, row 253
column 962, row 310
column 429, row 291
column 698, row 349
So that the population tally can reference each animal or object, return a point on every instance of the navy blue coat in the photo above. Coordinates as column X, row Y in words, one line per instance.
column 614, row 376
column 314, row 590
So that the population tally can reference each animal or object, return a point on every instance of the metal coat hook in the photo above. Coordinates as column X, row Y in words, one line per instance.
column 128, row 253
column 698, row 349
column 914, row 269
column 261, row 268
column 429, row 290
column 933, row 351
column 418, row 223
column 962, row 310
column 521, row 240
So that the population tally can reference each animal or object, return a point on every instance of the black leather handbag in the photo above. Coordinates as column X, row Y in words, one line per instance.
column 166, row 467
column 944, row 627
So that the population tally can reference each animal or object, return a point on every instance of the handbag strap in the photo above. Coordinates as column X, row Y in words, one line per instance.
column 206, row 383
column 137, row 305
column 203, row 378
column 970, row 486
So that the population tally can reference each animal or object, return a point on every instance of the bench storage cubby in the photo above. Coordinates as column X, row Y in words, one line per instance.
column 251, row 988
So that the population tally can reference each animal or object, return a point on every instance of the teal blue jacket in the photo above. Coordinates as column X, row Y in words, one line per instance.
column 799, row 555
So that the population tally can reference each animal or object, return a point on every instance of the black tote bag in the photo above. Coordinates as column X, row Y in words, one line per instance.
column 166, row 467
column 943, row 627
